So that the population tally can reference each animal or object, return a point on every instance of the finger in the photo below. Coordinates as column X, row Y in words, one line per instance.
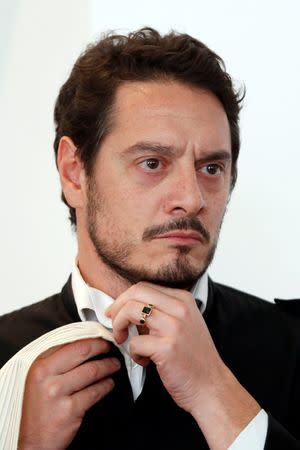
column 145, row 347
column 157, row 322
column 72, row 355
column 87, row 374
column 83, row 400
column 50, row 351
column 145, row 293
column 181, row 294
column 142, row 361
column 187, row 298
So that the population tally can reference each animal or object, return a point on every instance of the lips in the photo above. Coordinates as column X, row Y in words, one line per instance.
column 182, row 235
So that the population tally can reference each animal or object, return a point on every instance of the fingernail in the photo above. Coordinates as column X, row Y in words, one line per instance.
column 107, row 312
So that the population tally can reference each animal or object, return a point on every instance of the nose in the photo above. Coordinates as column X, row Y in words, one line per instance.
column 184, row 194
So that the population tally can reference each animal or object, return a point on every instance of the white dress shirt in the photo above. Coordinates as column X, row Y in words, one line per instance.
column 91, row 305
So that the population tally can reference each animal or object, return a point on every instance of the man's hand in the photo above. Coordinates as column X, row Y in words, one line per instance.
column 187, row 361
column 60, row 388
column 178, row 342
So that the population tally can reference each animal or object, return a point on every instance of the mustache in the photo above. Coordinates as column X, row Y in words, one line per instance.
column 184, row 223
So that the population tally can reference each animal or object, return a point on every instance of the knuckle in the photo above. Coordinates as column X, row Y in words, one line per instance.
column 182, row 311
column 82, row 348
column 39, row 371
column 132, row 291
column 111, row 364
column 53, row 390
column 94, row 393
column 92, row 369
column 135, row 288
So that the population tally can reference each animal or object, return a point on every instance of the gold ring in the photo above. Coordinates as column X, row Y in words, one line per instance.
column 146, row 312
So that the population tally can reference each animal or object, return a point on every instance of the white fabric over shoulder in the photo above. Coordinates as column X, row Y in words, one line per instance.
column 13, row 374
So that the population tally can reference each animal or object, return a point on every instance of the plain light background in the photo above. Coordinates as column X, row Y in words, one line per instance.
column 259, row 41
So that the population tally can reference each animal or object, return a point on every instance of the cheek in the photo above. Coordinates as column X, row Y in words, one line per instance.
column 216, row 210
column 131, row 208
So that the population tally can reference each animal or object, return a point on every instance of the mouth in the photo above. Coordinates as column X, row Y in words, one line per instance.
column 182, row 237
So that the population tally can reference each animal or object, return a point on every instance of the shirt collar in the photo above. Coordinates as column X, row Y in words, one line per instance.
column 91, row 303
column 200, row 291
column 89, row 299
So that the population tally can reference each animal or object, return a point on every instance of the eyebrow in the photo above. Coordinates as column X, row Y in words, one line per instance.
column 168, row 150
column 218, row 155
column 164, row 150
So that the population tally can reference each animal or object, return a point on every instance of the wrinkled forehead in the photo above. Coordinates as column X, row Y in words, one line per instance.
column 171, row 114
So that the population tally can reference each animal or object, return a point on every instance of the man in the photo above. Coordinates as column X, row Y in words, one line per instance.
column 146, row 145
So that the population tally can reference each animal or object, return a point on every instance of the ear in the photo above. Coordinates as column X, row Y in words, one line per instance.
column 72, row 175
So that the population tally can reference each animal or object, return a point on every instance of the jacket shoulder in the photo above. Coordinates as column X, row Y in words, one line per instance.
column 289, row 306
column 280, row 315
column 240, row 297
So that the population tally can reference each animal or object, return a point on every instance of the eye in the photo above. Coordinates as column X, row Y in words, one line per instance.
column 212, row 169
column 151, row 164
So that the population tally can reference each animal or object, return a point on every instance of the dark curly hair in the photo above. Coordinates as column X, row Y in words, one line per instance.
column 82, row 109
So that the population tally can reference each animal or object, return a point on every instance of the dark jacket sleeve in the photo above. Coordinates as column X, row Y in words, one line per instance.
column 278, row 438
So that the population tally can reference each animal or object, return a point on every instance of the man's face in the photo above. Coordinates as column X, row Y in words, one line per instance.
column 161, row 182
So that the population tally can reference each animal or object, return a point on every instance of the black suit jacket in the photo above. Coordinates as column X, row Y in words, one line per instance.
column 257, row 340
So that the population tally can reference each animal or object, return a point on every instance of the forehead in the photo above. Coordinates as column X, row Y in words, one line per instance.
column 171, row 113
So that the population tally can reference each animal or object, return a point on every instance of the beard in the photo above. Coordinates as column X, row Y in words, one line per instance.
column 179, row 273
